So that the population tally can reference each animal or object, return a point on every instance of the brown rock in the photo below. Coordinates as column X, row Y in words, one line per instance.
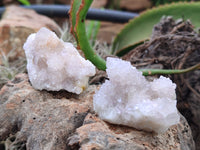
column 130, row 5
column 135, row 5
column 97, row 134
column 99, row 3
column 62, row 120
column 41, row 119
column 108, row 31
column 6, row 2
column 15, row 26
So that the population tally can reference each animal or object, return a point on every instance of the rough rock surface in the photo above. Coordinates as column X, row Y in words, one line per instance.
column 175, row 45
column 62, row 120
column 15, row 26
column 8, row 2
column 99, row 4
column 135, row 5
column 108, row 31
column 97, row 134
column 41, row 119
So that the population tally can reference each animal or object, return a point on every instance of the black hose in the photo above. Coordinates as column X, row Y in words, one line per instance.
column 93, row 14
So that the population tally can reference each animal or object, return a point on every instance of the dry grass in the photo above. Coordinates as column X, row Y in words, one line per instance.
column 9, row 69
column 66, row 36
column 102, row 49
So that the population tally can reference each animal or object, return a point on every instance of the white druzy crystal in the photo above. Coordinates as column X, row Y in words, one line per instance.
column 127, row 98
column 53, row 64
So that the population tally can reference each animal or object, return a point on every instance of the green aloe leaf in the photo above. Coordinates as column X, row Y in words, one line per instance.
column 140, row 29
column 75, row 4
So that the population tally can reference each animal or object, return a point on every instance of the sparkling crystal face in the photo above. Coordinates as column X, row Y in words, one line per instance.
column 127, row 98
column 54, row 65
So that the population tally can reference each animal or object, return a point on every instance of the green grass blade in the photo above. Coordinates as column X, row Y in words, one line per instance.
column 92, row 30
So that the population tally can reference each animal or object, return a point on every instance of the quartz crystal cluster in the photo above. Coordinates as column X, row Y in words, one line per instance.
column 127, row 98
column 53, row 64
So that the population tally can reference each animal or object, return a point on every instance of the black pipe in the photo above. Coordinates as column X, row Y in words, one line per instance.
column 93, row 14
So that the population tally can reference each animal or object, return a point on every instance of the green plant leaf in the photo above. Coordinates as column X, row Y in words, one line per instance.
column 78, row 12
column 92, row 30
column 140, row 28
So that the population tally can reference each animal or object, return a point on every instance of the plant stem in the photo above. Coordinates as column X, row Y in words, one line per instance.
column 83, row 41
column 149, row 72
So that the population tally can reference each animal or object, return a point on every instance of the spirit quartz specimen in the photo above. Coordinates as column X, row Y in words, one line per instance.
column 127, row 98
column 53, row 64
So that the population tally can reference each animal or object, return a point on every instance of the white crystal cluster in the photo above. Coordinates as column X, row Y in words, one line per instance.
column 127, row 98
column 53, row 64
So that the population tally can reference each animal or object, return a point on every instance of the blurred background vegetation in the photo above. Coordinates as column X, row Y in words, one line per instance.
column 112, row 4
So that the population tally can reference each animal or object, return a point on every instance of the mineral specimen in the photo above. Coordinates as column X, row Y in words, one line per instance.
column 53, row 64
column 127, row 98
